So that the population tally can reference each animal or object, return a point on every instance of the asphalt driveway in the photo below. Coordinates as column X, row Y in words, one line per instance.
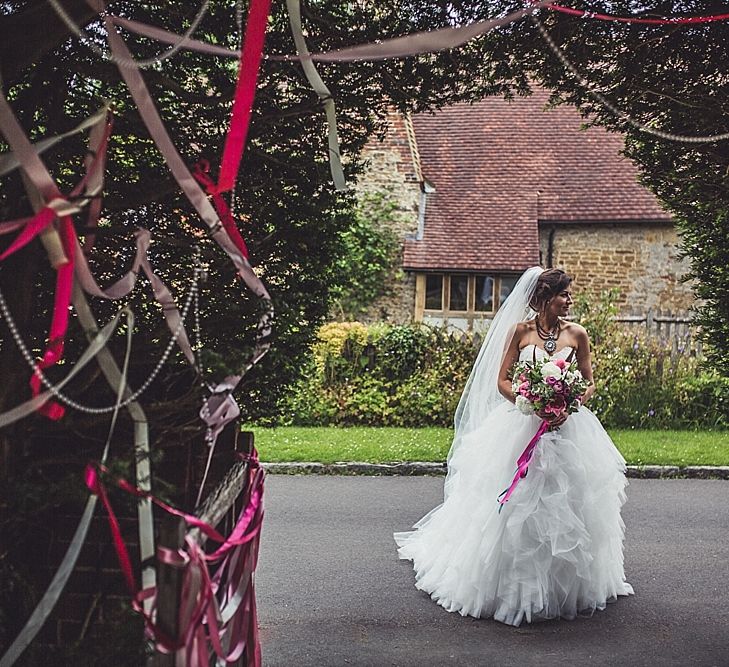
column 331, row 590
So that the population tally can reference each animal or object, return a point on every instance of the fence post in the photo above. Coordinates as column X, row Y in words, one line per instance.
column 169, row 584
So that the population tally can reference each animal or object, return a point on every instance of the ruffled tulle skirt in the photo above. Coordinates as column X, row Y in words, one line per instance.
column 556, row 548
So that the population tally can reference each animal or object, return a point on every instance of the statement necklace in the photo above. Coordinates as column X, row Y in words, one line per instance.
column 549, row 337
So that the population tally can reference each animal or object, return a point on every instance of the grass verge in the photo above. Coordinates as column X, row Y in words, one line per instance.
column 329, row 444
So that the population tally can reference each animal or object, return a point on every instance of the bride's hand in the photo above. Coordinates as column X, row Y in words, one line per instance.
column 555, row 421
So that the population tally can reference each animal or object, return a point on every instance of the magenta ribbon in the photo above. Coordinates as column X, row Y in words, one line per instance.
column 200, row 172
column 59, row 321
column 64, row 285
column 229, row 630
column 678, row 20
column 245, row 91
column 522, row 464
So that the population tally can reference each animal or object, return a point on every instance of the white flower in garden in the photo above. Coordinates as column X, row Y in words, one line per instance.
column 550, row 369
column 524, row 405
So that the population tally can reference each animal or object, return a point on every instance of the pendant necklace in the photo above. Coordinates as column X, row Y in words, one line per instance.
column 549, row 337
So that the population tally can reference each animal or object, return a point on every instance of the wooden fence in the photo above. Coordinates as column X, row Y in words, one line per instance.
column 678, row 331
column 221, row 504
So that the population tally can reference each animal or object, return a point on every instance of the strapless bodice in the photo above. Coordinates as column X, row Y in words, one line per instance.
column 527, row 353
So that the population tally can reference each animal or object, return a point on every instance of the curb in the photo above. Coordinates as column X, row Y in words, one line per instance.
column 419, row 468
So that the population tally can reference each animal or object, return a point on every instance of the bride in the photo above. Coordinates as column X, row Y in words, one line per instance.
column 556, row 549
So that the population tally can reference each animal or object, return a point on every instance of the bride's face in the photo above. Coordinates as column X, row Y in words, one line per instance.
column 560, row 303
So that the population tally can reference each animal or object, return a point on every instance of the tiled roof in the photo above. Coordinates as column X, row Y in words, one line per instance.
column 501, row 167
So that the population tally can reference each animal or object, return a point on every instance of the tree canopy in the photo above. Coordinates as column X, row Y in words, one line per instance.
column 667, row 76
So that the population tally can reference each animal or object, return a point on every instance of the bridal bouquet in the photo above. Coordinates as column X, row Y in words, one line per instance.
column 548, row 387
column 545, row 387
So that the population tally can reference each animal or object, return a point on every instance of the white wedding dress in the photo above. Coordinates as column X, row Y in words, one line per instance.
column 556, row 548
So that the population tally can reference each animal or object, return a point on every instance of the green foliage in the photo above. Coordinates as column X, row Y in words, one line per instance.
column 413, row 375
column 384, row 375
column 641, row 383
column 370, row 251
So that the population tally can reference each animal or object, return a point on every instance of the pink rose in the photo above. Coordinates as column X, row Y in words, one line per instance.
column 559, row 387
column 551, row 381
column 524, row 388
column 561, row 363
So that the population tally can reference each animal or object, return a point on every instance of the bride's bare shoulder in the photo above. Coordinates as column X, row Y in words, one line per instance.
column 576, row 332
column 574, row 328
column 522, row 329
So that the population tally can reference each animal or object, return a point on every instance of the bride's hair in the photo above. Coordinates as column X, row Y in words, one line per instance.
column 550, row 283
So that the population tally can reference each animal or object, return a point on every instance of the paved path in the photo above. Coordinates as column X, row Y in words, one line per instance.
column 332, row 592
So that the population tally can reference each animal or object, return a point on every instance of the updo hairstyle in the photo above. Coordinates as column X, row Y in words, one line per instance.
column 549, row 284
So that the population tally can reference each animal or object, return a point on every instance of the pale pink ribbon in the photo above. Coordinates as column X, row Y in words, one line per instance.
column 418, row 43
column 199, row 200
column 126, row 283
column 229, row 629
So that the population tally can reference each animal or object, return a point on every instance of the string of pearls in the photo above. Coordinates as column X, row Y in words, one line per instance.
column 191, row 297
column 587, row 85
column 87, row 41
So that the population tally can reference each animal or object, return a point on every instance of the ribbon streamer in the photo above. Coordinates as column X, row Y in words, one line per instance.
column 173, row 38
column 126, row 283
column 237, row 555
column 245, row 91
column 9, row 162
column 418, row 43
column 679, row 20
column 320, row 88
column 522, row 464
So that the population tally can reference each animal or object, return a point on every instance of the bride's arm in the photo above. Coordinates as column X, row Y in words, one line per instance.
column 511, row 355
column 584, row 362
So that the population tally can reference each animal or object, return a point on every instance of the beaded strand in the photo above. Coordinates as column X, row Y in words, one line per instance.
column 145, row 385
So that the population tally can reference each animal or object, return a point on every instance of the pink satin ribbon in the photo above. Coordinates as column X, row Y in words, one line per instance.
column 245, row 91
column 201, row 616
column 522, row 464
column 679, row 20
column 201, row 173
column 231, row 243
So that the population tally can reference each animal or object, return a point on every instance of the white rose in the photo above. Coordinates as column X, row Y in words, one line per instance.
column 550, row 369
column 524, row 405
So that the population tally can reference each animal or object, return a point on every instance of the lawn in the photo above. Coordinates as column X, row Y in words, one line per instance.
column 389, row 445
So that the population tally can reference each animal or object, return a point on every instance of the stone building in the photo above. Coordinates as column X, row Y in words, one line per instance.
column 486, row 190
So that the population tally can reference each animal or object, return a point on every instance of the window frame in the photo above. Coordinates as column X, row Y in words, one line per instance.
column 470, row 314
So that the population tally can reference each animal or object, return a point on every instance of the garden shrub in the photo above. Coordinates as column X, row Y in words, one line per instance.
column 413, row 375
column 381, row 375
column 640, row 382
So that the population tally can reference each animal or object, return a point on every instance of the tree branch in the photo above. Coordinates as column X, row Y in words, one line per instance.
column 29, row 35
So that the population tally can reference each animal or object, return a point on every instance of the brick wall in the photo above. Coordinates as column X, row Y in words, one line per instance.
column 392, row 174
column 641, row 260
